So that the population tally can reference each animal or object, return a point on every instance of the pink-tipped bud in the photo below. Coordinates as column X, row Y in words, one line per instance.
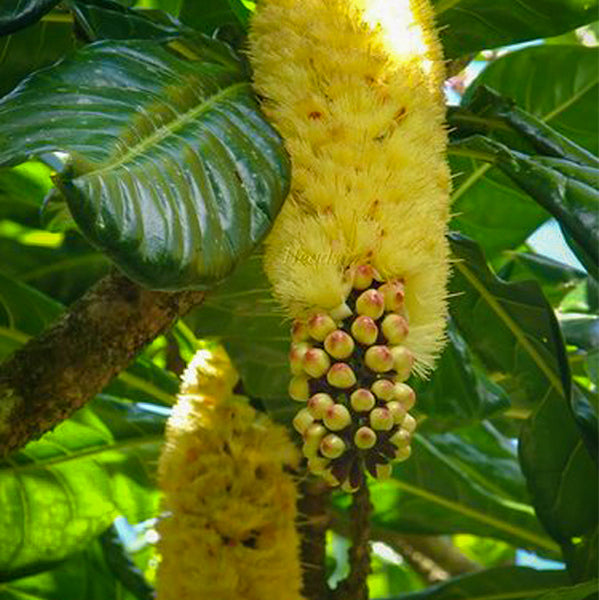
column 379, row 359
column 337, row 417
column 318, row 405
column 316, row 362
column 403, row 453
column 370, row 304
column 332, row 446
column 381, row 419
column 312, row 437
column 395, row 328
column 397, row 410
column 320, row 325
column 340, row 312
column 296, row 357
column 364, row 438
column 302, row 421
column 362, row 400
column 384, row 472
column 339, row 344
column 364, row 330
column 318, row 465
column 383, row 389
column 409, row 424
column 402, row 362
column 401, row 438
column 363, row 277
column 340, row 375
column 403, row 393
column 299, row 389
column 299, row 331
column 394, row 295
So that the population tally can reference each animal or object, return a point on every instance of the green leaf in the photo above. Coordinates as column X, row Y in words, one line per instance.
column 457, row 393
column 581, row 330
column 501, row 583
column 209, row 15
column 35, row 47
column 468, row 26
column 582, row 591
column 173, row 172
column 108, row 19
column 16, row 14
column 64, row 489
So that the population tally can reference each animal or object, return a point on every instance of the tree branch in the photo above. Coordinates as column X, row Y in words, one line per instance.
column 354, row 586
column 60, row 370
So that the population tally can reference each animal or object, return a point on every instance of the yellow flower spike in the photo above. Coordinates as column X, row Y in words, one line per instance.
column 230, row 504
column 358, row 255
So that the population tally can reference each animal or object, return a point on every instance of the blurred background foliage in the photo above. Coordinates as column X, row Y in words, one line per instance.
column 500, row 496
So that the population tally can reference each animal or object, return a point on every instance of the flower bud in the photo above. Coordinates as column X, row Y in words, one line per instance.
column 401, row 438
column 340, row 312
column 339, row 344
column 370, row 304
column 318, row 405
column 364, row 438
column 381, row 419
column 302, row 420
column 364, row 330
column 403, row 453
column 312, row 437
column 384, row 471
column 393, row 295
column 316, row 362
column 337, row 417
column 330, row 478
column 384, row 389
column 320, row 325
column 318, row 465
column 405, row 394
column 363, row 277
column 395, row 328
column 409, row 424
column 340, row 375
column 299, row 331
column 332, row 446
column 346, row 486
column 379, row 359
column 402, row 362
column 398, row 411
column 296, row 357
column 362, row 400
column 298, row 388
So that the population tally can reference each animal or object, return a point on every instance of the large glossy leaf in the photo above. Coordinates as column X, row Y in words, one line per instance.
column 487, row 205
column 61, row 491
column 173, row 172
column 16, row 14
column 446, row 487
column 468, row 26
column 208, row 15
column 513, row 330
column 505, row 583
column 32, row 48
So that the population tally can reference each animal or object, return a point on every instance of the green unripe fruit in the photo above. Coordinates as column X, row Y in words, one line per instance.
column 364, row 438
column 403, row 453
column 332, row 446
column 362, row 400
column 318, row 405
column 364, row 330
column 370, row 304
column 320, row 325
column 394, row 328
column 339, row 344
column 316, row 362
column 379, row 359
column 402, row 362
column 383, row 389
column 337, row 417
column 409, row 424
column 381, row 419
column 302, row 420
column 299, row 388
column 340, row 375
column 401, row 438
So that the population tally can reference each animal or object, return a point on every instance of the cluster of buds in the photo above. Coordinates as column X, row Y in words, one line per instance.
column 349, row 367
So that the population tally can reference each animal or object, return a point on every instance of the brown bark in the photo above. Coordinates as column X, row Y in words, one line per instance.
column 57, row 372
column 313, row 509
column 354, row 586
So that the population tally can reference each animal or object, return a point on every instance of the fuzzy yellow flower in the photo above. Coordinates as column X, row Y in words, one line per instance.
column 358, row 255
column 229, row 530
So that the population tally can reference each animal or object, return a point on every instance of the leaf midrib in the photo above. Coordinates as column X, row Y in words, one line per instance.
column 166, row 130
